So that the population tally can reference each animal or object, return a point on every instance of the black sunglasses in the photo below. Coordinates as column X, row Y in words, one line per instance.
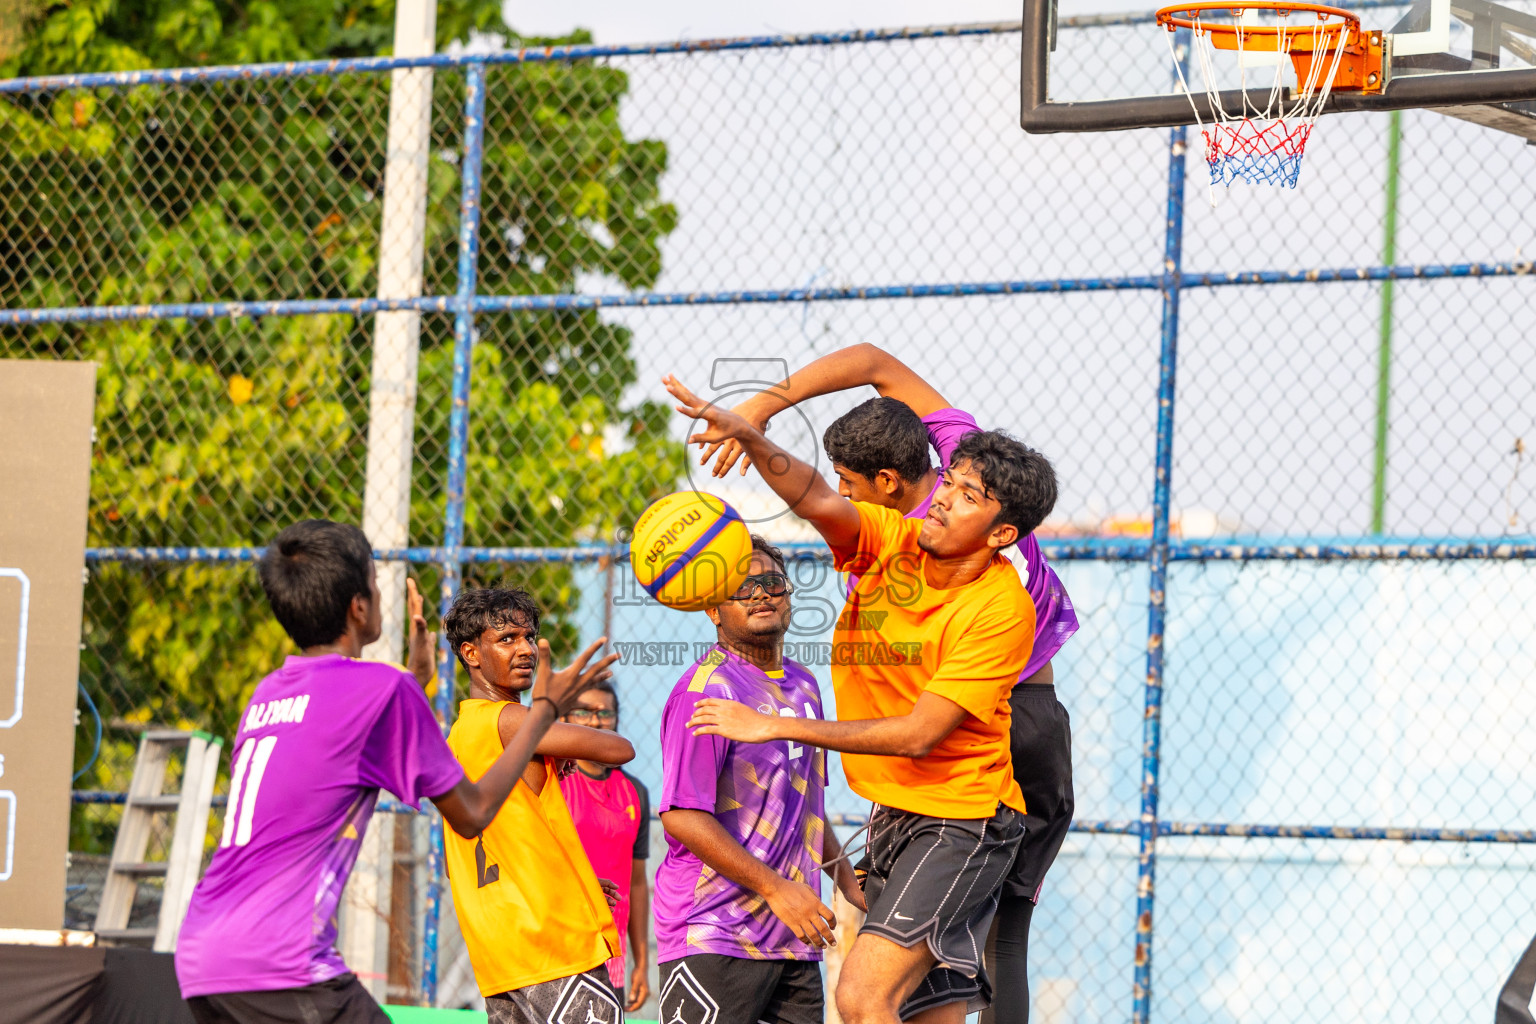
column 774, row 584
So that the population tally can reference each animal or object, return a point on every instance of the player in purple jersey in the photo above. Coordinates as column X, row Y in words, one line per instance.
column 318, row 740
column 740, row 925
column 879, row 451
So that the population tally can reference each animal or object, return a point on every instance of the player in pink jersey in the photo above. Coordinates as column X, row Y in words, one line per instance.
column 320, row 737
column 879, row 451
column 612, row 812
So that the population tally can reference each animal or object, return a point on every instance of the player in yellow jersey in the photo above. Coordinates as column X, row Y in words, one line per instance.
column 535, row 918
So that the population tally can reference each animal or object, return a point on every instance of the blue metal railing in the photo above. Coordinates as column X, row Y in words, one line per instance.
column 458, row 443
column 459, row 304
column 527, row 55
column 1087, row 549
column 1107, row 827
column 1157, row 582
column 1158, row 551
column 553, row 54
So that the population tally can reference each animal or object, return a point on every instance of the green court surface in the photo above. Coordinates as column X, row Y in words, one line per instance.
column 423, row 1015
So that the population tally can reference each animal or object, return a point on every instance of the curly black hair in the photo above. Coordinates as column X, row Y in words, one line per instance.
column 759, row 544
column 1018, row 477
column 475, row 611
column 882, row 433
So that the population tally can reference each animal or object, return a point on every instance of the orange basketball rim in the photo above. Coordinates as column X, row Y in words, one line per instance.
column 1360, row 66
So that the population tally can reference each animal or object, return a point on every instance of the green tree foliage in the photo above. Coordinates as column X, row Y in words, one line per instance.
column 220, row 432
column 14, row 16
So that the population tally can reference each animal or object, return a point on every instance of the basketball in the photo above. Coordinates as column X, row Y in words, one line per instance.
column 690, row 551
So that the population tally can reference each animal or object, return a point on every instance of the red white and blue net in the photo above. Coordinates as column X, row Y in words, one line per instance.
column 1258, row 144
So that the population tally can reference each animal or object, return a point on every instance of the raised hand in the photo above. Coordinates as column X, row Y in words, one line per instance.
column 420, row 661
column 562, row 687
column 715, row 716
column 720, row 423
column 731, row 450
column 795, row 482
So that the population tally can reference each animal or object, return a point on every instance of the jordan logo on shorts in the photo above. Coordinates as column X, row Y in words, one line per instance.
column 585, row 1002
column 685, row 1001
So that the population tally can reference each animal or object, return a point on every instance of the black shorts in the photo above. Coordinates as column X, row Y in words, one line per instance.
column 586, row 998
column 342, row 1000
column 1041, row 742
column 708, row 988
column 937, row 880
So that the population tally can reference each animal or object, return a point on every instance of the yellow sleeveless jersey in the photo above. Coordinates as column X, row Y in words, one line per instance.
column 527, row 898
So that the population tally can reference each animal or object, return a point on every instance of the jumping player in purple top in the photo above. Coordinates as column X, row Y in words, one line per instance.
column 879, row 451
column 740, row 926
column 318, row 740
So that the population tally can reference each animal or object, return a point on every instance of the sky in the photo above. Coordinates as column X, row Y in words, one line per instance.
column 618, row 21
column 896, row 164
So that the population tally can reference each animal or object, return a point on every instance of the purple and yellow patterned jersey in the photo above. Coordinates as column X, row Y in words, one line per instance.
column 769, row 796
column 318, row 740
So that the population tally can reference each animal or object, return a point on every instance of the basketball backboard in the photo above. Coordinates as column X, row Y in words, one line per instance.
column 1471, row 59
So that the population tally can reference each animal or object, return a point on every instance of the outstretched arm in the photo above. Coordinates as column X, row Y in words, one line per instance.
column 568, row 741
column 851, row 367
column 470, row 806
column 801, row 487
column 914, row 734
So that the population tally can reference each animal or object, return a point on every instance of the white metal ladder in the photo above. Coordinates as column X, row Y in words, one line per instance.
column 180, row 869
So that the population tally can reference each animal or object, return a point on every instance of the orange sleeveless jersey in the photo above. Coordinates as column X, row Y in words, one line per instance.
column 527, row 899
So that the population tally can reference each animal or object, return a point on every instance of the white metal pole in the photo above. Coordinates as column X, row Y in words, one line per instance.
column 391, row 426
column 397, row 336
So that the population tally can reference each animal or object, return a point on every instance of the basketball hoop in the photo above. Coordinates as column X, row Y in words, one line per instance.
column 1265, row 145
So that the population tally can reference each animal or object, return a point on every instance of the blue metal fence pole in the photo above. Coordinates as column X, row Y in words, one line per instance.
column 1151, row 729
column 458, row 445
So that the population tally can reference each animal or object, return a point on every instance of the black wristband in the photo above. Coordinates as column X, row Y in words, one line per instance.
column 551, row 704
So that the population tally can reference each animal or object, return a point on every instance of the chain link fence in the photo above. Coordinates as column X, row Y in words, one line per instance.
column 1303, row 792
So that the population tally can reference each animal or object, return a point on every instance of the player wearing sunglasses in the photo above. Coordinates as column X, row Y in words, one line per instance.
column 773, row 584
column 740, row 924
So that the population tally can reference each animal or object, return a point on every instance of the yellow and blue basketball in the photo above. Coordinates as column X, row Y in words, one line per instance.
column 690, row 551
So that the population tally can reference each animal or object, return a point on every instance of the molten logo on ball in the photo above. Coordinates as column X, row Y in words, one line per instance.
column 673, row 532
column 690, row 551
